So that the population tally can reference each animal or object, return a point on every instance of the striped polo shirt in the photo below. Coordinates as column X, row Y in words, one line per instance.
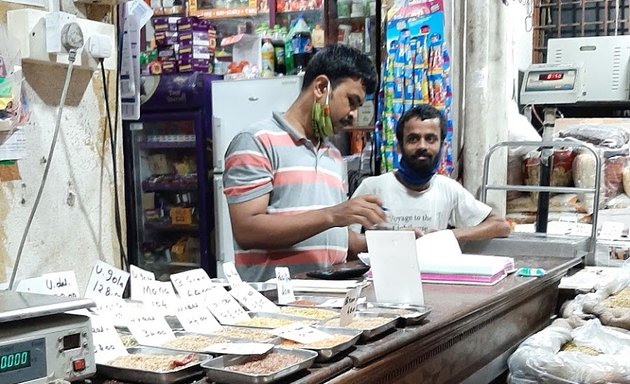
column 272, row 158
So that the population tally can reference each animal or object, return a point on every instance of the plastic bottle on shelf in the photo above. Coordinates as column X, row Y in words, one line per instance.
column 301, row 45
column 267, row 53
column 319, row 38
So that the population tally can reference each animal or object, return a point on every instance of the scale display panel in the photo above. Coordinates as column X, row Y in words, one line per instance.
column 23, row 362
column 546, row 81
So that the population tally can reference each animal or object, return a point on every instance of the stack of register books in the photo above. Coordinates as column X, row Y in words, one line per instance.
column 465, row 269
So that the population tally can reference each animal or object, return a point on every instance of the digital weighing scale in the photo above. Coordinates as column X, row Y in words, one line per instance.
column 40, row 343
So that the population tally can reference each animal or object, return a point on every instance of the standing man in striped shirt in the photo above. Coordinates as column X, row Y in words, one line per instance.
column 284, row 179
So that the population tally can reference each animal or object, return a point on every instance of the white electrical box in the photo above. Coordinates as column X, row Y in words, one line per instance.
column 28, row 28
column 580, row 70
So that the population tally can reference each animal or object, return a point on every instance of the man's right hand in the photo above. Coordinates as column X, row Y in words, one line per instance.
column 365, row 210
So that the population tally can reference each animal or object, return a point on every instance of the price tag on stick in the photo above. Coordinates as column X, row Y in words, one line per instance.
column 150, row 329
column 194, row 283
column 301, row 333
column 138, row 275
column 107, row 343
column 285, row 289
column 252, row 299
column 349, row 306
column 224, row 307
column 106, row 280
column 195, row 317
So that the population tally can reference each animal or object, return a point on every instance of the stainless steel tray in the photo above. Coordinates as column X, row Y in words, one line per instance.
column 409, row 314
column 272, row 338
column 216, row 368
column 272, row 315
column 149, row 377
column 183, row 334
column 369, row 333
column 322, row 301
column 284, row 311
column 325, row 354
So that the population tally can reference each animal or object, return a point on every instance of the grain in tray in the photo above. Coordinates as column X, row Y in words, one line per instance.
column 365, row 323
column 270, row 322
column 322, row 344
column 246, row 334
column 619, row 300
column 195, row 343
column 154, row 363
column 310, row 313
column 266, row 364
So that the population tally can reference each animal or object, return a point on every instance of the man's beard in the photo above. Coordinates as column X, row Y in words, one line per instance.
column 422, row 167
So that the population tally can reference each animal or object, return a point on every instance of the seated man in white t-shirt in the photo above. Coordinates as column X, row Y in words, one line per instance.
column 414, row 196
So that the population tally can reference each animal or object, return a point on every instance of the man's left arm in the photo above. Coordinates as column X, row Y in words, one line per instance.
column 492, row 226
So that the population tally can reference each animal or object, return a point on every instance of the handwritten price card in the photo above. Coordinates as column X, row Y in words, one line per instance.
column 252, row 299
column 301, row 333
column 158, row 295
column 107, row 343
column 138, row 275
column 194, row 283
column 349, row 306
column 195, row 317
column 231, row 274
column 224, row 307
column 62, row 284
column 150, row 329
column 285, row 289
column 106, row 280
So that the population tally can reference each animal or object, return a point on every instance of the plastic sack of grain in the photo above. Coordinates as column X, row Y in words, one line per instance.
column 559, row 354
column 601, row 135
column 611, row 179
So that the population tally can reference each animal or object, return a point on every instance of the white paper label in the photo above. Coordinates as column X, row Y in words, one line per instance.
column 224, row 307
column 580, row 229
column 239, row 348
column 611, row 230
column 107, row 343
column 150, row 329
column 159, row 295
column 231, row 274
column 349, row 306
column 32, row 285
column 106, row 280
column 195, row 317
column 285, row 289
column 301, row 333
column 138, row 275
column 62, row 284
column 113, row 308
column 252, row 299
column 192, row 283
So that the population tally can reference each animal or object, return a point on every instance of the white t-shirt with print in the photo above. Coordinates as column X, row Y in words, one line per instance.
column 444, row 203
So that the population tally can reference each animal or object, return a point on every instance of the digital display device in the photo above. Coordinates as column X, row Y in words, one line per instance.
column 14, row 360
column 551, row 76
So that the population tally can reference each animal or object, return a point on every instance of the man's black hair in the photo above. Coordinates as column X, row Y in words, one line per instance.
column 339, row 62
column 421, row 112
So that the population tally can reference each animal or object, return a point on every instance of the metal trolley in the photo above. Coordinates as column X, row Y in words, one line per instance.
column 485, row 187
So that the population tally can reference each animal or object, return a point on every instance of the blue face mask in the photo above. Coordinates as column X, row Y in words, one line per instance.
column 411, row 177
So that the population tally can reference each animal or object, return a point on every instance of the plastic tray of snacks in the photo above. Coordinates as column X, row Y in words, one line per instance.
column 317, row 301
column 409, row 314
column 178, row 374
column 343, row 338
column 271, row 320
column 258, row 335
column 371, row 324
column 223, row 369
column 310, row 313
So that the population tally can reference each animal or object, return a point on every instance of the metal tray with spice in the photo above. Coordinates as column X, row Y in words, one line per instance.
column 325, row 351
column 177, row 375
column 367, row 323
column 409, row 314
column 271, row 320
column 224, row 369
column 317, row 301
